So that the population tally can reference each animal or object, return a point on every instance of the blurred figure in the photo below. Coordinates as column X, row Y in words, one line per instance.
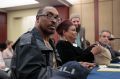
column 2, row 63
column 8, row 52
column 80, row 40
column 71, row 70
column 3, row 74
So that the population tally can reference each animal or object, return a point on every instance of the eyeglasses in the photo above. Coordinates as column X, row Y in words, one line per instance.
column 50, row 16
column 75, row 21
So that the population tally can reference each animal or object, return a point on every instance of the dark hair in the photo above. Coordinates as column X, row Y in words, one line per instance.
column 2, row 46
column 43, row 9
column 40, row 11
column 63, row 26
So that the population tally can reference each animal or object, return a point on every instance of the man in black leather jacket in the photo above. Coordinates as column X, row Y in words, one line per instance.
column 34, row 52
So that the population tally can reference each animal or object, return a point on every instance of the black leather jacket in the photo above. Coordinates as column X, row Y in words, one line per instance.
column 32, row 58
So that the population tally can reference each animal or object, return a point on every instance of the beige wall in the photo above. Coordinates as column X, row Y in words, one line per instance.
column 105, row 15
column 19, row 22
column 109, row 17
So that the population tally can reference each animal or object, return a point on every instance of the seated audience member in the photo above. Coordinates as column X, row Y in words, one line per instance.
column 66, row 48
column 2, row 63
column 3, row 74
column 103, row 43
column 71, row 70
column 104, row 40
column 8, row 52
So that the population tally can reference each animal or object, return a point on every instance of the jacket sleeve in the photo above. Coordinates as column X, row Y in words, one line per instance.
column 87, row 55
column 65, row 51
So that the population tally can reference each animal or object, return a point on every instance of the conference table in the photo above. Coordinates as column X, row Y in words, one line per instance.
column 94, row 74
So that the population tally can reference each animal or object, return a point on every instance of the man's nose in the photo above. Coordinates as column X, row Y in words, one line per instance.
column 75, row 23
column 107, row 38
column 54, row 21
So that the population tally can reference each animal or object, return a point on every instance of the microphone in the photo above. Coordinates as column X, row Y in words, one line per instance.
column 113, row 38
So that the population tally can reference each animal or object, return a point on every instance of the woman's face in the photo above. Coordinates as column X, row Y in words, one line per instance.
column 70, row 34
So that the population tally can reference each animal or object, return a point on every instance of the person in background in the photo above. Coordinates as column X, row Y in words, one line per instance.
column 66, row 46
column 3, row 74
column 80, row 40
column 8, row 52
column 35, row 55
column 103, row 43
column 104, row 40
column 2, row 62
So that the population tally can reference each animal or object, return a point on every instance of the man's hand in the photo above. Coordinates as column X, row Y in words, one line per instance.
column 96, row 50
column 87, row 65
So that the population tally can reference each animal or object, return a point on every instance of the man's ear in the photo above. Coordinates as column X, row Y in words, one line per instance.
column 64, row 32
column 37, row 19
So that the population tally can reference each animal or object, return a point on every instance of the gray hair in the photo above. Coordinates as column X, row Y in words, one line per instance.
column 40, row 11
column 105, row 31
column 74, row 15
column 43, row 9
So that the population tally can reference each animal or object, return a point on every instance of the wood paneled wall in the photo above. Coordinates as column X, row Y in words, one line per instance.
column 3, row 27
column 64, row 14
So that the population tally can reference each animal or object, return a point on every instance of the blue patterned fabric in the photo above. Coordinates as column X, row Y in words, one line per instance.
column 103, row 75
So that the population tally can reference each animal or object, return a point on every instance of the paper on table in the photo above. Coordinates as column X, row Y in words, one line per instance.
column 104, row 68
column 114, row 66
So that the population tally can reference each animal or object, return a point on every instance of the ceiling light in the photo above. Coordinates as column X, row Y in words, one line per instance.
column 13, row 3
column 73, row 1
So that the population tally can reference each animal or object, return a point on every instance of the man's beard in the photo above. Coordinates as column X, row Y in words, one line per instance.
column 78, row 28
column 46, row 32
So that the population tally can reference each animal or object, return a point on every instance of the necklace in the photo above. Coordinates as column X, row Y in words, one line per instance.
column 47, row 44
